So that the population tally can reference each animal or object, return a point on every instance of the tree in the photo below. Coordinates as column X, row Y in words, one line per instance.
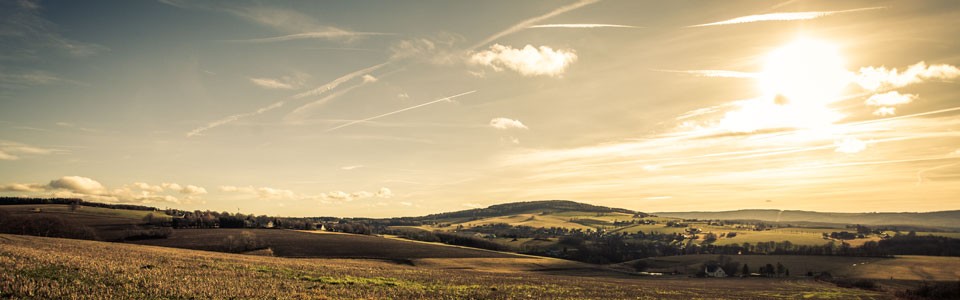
column 74, row 205
column 780, row 269
column 746, row 270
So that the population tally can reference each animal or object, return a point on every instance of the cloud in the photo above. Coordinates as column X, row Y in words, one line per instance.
column 353, row 167
column 147, row 187
column 787, row 16
column 405, row 203
column 890, row 99
column 400, row 110
column 172, row 186
column 582, row 26
column 269, row 193
column 193, row 190
column 10, row 150
column 92, row 190
column 25, row 34
column 20, row 187
column 439, row 49
column 885, row 102
column 369, row 78
column 78, row 184
column 272, row 193
column 885, row 111
column 339, row 80
column 505, row 123
column 875, row 78
column 528, row 61
column 850, row 146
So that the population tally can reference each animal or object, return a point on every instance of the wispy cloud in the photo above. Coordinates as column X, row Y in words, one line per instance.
column 353, row 167
column 340, row 80
column 27, row 34
column 10, row 150
column 401, row 110
column 582, row 26
column 528, row 61
column 531, row 21
column 90, row 189
column 786, row 16
column 270, row 193
column 507, row 123
column 850, row 146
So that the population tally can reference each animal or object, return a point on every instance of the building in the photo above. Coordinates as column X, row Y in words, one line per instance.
column 714, row 271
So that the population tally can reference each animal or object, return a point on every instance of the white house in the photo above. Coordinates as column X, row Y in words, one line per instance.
column 715, row 271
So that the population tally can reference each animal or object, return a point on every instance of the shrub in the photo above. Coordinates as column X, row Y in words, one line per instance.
column 939, row 290
column 245, row 241
column 48, row 226
column 147, row 234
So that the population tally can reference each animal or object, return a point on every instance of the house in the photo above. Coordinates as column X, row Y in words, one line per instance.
column 714, row 271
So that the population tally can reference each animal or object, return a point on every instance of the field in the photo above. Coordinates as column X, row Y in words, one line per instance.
column 108, row 223
column 910, row 268
column 35, row 267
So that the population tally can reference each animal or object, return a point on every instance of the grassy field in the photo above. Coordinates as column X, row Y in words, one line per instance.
column 35, row 267
column 108, row 223
column 910, row 268
column 289, row 243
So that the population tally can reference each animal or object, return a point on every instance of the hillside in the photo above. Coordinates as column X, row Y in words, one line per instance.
column 51, row 268
column 943, row 219
column 507, row 209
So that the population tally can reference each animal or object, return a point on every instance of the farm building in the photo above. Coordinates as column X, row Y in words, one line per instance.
column 714, row 271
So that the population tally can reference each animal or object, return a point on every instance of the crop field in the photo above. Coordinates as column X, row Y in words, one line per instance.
column 36, row 267
column 289, row 243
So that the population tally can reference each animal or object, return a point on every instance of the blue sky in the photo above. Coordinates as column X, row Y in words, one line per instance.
column 369, row 108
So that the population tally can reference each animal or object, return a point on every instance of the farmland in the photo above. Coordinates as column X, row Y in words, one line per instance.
column 109, row 224
column 57, row 268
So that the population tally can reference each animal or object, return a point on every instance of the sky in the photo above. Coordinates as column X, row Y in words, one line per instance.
column 400, row 108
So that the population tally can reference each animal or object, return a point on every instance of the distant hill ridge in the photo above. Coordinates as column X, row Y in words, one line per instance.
column 947, row 219
column 526, row 207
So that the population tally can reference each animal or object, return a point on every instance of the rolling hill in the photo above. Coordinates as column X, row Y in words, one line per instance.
column 942, row 219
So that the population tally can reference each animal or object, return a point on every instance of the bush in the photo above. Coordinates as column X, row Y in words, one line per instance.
column 147, row 234
column 245, row 241
column 939, row 290
column 857, row 283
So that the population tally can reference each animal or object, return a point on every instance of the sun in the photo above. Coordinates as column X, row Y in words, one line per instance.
column 798, row 83
column 804, row 72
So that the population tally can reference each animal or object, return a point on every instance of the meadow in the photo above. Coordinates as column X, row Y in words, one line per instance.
column 37, row 267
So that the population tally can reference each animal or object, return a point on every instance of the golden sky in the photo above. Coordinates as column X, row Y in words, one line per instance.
column 396, row 108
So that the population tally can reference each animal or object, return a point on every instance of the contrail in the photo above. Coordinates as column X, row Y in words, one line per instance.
column 713, row 73
column 582, row 26
column 529, row 22
column 309, row 35
column 788, row 16
column 317, row 91
column 232, row 118
column 333, row 84
column 401, row 110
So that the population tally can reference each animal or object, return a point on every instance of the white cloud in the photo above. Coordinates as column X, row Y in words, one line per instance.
column 272, row 193
column 332, row 34
column 78, row 184
column 529, row 22
column 405, row 203
column 890, row 99
column 874, row 78
column 505, row 123
column 147, row 187
column 885, row 111
column 369, row 78
column 528, row 61
column 7, row 156
column 172, row 186
column 850, row 146
column 787, row 16
column 353, row 167
column 193, row 190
